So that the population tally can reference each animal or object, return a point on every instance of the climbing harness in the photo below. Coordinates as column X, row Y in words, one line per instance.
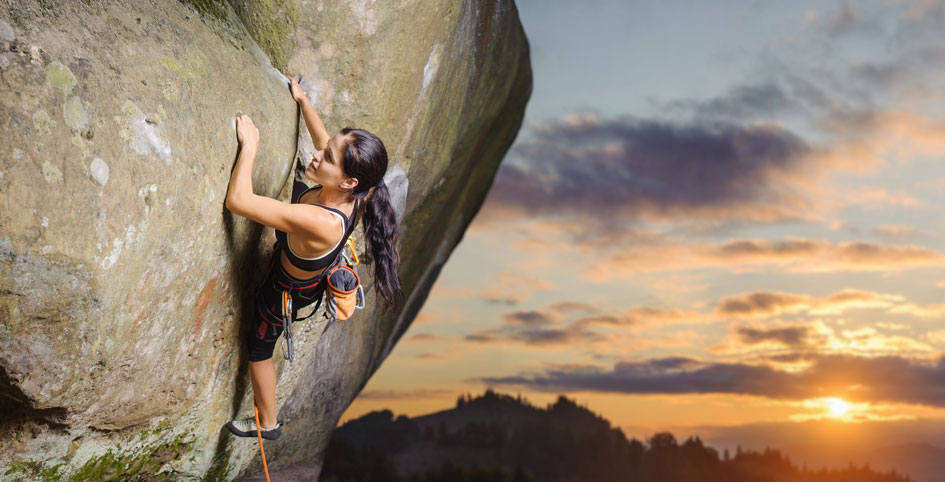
column 259, row 438
column 339, row 284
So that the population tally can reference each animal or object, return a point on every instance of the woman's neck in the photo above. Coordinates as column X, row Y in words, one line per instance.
column 334, row 197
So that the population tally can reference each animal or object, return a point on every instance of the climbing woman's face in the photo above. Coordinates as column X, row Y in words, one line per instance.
column 325, row 168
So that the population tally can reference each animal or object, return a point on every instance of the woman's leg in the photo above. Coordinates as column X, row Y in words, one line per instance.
column 263, row 375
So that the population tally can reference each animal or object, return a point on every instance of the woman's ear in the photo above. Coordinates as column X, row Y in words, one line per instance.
column 349, row 183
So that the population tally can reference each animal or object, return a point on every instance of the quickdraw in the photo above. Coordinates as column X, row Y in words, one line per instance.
column 287, row 321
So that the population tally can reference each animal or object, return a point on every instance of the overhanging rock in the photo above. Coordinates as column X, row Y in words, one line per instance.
column 123, row 280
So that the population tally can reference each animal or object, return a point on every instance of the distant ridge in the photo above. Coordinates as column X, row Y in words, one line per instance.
column 923, row 461
column 496, row 437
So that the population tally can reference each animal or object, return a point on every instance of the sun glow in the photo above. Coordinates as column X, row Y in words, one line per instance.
column 837, row 407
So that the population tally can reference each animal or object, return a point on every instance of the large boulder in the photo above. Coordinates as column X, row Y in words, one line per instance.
column 124, row 283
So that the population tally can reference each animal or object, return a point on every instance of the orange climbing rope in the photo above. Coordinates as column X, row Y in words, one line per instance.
column 259, row 437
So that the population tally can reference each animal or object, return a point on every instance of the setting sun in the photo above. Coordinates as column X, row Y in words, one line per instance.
column 838, row 407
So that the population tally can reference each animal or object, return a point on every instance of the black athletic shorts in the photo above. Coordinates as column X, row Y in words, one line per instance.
column 268, row 323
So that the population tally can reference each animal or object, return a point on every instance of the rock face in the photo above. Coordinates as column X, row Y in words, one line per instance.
column 125, row 284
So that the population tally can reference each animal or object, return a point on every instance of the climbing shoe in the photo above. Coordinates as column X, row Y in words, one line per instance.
column 247, row 428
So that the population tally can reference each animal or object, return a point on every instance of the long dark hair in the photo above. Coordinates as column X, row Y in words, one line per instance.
column 365, row 159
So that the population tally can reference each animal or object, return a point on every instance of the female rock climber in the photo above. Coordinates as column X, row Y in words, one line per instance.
column 311, row 232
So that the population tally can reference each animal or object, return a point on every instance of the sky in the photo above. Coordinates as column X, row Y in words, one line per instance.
column 717, row 217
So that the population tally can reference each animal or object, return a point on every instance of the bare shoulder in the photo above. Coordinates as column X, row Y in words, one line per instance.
column 319, row 224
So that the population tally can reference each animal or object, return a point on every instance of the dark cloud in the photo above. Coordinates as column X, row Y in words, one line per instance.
column 554, row 336
column 759, row 304
column 604, row 320
column 744, row 101
column 791, row 336
column 481, row 338
column 909, row 72
column 424, row 337
column 529, row 317
column 854, row 378
column 767, row 303
column 633, row 167
column 536, row 336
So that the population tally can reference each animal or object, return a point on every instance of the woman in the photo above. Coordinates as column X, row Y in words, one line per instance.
column 311, row 232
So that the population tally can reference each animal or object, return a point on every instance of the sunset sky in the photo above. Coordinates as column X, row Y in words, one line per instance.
column 716, row 215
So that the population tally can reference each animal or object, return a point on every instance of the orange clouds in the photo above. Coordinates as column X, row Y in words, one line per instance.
column 853, row 378
column 793, row 255
column 874, row 135
column 875, row 197
column 928, row 311
column 816, row 336
column 564, row 322
column 765, row 304
column 757, row 325
column 895, row 231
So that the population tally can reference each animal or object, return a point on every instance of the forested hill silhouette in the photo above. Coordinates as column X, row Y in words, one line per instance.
column 497, row 437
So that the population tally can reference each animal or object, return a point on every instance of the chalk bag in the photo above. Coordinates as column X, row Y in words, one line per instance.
column 344, row 293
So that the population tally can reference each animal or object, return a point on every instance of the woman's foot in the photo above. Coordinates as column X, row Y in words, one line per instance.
column 247, row 428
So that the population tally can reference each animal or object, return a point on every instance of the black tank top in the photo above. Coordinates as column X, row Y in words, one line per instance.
column 315, row 264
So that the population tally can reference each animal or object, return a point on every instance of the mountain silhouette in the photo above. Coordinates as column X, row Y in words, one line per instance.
column 497, row 437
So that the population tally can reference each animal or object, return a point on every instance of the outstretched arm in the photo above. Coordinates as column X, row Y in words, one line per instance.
column 312, row 121
column 241, row 200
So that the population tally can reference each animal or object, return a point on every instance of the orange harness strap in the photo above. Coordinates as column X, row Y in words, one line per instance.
column 259, row 437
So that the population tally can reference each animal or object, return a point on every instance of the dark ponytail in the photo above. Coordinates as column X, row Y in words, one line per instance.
column 365, row 158
column 381, row 233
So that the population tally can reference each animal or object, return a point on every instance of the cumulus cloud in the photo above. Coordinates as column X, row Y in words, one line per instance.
column 531, row 317
column 792, row 255
column 870, row 136
column 817, row 335
column 764, row 303
column 928, row 311
column 854, row 378
column 427, row 337
column 762, row 100
column 790, row 336
column 543, row 336
column 565, row 321
column 895, row 231
column 644, row 168
column 640, row 315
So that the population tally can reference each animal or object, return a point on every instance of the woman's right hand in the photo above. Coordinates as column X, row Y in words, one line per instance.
column 297, row 93
column 246, row 131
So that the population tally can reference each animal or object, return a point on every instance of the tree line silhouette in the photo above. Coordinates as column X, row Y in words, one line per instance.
column 500, row 438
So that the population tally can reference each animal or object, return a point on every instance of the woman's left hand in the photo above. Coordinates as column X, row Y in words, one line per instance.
column 246, row 131
column 297, row 93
